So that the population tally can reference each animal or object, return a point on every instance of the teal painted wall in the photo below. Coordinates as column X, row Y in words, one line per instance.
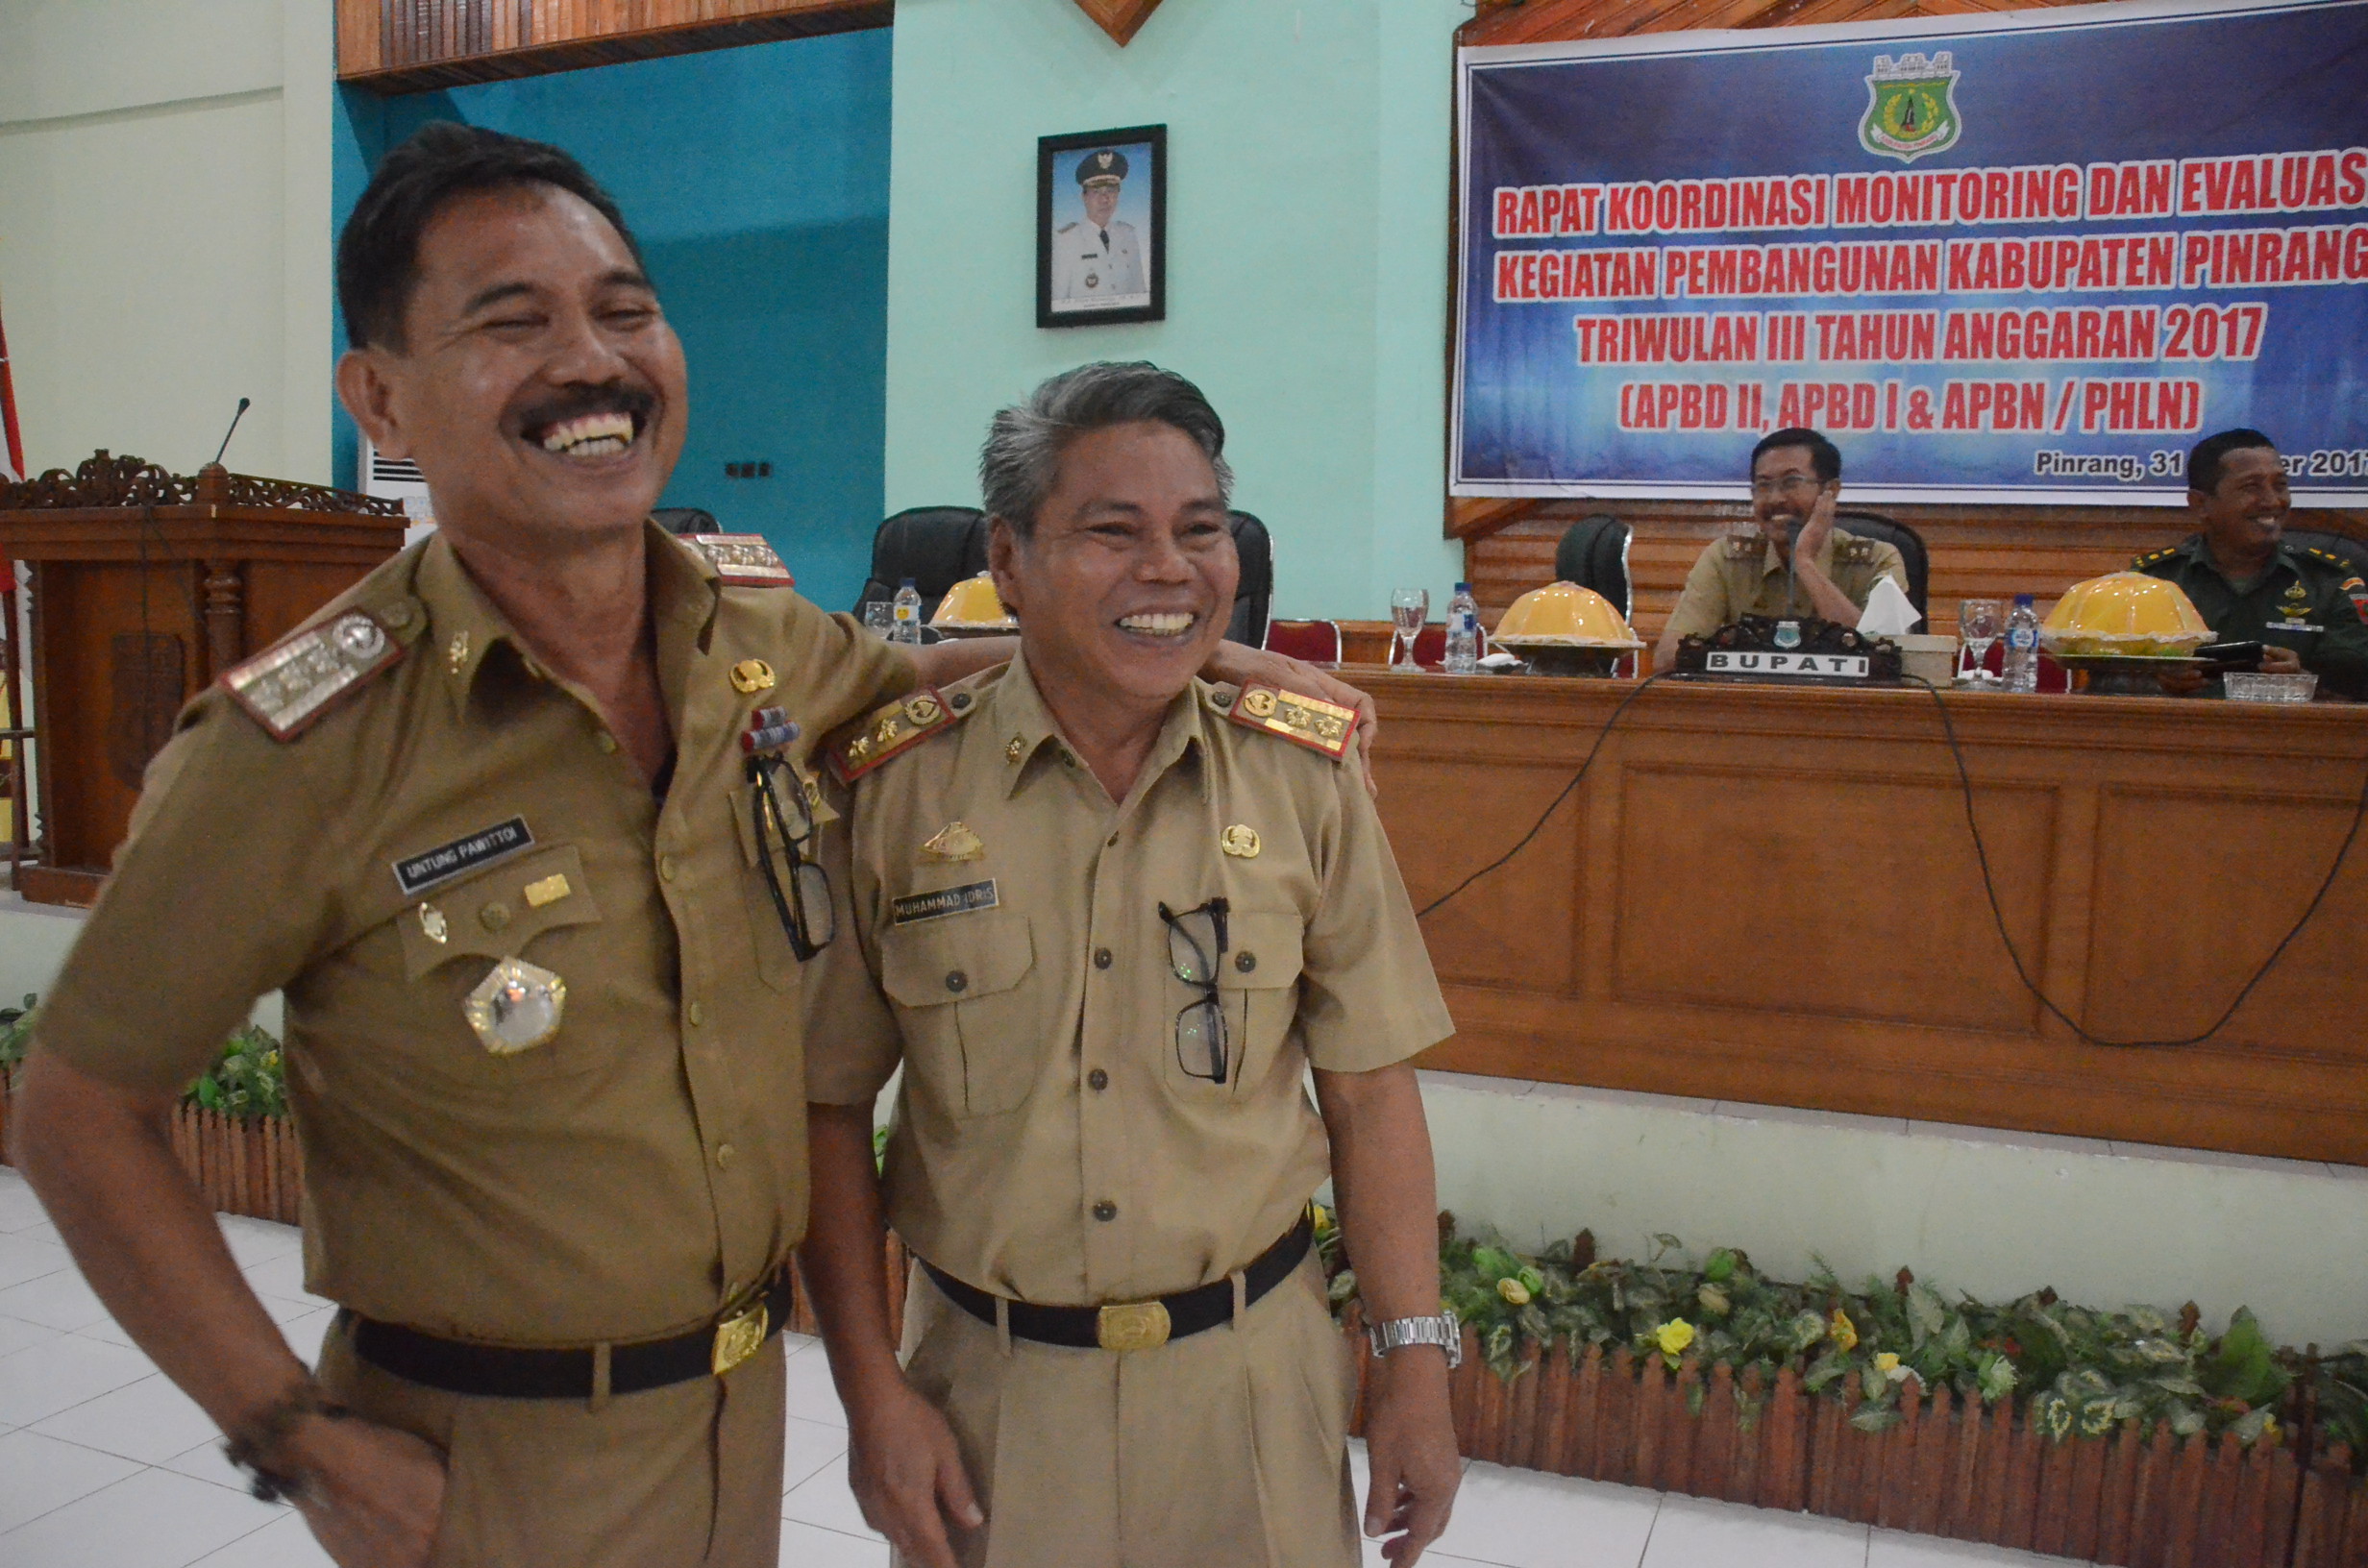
column 1306, row 244
column 757, row 179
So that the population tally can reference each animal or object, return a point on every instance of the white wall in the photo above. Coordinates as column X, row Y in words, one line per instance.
column 164, row 229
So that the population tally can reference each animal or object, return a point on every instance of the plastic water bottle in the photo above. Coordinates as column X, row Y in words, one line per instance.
column 908, row 628
column 2022, row 663
column 1463, row 632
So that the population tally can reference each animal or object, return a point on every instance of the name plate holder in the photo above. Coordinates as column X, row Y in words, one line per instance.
column 1791, row 652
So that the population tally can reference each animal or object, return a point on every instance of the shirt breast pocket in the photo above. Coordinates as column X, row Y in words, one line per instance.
column 1259, row 986
column 776, row 962
column 969, row 1039
column 531, row 907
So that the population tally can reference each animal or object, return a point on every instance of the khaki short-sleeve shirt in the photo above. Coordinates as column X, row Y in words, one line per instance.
column 1741, row 575
column 1048, row 1143
column 626, row 1178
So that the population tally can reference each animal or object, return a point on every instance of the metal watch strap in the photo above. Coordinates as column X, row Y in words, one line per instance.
column 1442, row 1331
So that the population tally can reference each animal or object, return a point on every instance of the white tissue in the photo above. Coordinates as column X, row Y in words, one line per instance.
column 1888, row 613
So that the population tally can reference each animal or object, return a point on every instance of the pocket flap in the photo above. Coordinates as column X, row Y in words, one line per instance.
column 1264, row 951
column 497, row 912
column 958, row 958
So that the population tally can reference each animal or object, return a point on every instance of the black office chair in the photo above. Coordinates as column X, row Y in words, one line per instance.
column 681, row 520
column 1911, row 547
column 1594, row 554
column 935, row 546
column 1255, row 597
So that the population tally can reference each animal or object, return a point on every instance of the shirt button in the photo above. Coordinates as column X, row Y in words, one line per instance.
column 604, row 741
column 1101, row 958
column 493, row 917
column 698, row 1014
column 957, row 980
column 1114, row 840
column 1245, row 962
column 1105, row 1209
column 1097, row 1080
column 723, row 1156
column 666, row 868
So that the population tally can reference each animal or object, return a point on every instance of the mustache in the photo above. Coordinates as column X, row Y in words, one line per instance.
column 575, row 403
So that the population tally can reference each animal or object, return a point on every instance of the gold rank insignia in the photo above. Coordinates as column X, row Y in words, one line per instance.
column 1317, row 725
column 751, row 675
column 1015, row 749
column 1240, row 840
column 457, row 651
column 516, row 1007
column 863, row 746
column 548, row 891
column 955, row 841
column 287, row 688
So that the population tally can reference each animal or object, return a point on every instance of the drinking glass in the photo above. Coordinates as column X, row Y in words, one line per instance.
column 879, row 617
column 1409, row 607
column 1980, row 621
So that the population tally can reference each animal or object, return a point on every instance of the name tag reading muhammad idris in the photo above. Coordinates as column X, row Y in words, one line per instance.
column 967, row 900
column 446, row 861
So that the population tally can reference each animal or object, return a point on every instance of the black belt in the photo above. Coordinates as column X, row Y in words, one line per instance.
column 506, row 1372
column 1135, row 1325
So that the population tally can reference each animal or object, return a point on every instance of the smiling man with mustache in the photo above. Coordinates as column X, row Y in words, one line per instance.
column 491, row 823
column 1116, row 914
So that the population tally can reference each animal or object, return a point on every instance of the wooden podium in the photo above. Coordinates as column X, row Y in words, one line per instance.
column 146, row 586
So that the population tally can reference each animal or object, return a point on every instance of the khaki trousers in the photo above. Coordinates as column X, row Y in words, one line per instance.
column 1225, row 1450
column 667, row 1477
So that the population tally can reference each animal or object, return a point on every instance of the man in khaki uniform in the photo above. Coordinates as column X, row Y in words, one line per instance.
column 1826, row 571
column 1116, row 914
column 486, row 821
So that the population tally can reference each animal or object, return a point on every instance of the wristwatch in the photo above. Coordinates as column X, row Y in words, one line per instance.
column 1442, row 1331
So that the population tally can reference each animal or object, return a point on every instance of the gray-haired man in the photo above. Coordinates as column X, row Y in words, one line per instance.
column 1116, row 914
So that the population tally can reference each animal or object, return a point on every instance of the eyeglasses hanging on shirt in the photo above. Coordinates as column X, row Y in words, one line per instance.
column 1195, row 952
column 784, row 825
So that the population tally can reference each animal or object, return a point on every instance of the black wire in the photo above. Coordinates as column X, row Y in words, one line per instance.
column 1990, row 885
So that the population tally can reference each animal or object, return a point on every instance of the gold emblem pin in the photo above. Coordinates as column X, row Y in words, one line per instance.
column 1258, row 704
column 457, row 651
column 922, row 709
column 1240, row 840
column 886, row 731
column 516, row 1007
column 549, row 891
column 751, row 675
column 431, row 924
column 1017, row 749
column 953, row 843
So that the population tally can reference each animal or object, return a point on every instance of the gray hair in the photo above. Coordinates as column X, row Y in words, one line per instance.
column 1022, row 460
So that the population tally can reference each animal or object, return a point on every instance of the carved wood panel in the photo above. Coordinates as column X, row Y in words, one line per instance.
column 415, row 45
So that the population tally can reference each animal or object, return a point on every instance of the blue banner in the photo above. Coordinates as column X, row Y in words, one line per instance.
column 2027, row 257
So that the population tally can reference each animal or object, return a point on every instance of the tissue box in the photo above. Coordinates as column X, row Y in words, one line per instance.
column 1926, row 657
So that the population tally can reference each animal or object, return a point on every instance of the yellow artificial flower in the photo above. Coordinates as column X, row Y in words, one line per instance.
column 1323, row 1219
column 1887, row 1364
column 1515, row 1292
column 1673, row 1337
column 1844, row 1332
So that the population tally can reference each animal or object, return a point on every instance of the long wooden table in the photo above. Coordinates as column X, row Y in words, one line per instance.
column 1773, row 895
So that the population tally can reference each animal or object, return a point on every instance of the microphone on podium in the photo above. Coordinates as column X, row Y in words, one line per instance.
column 244, row 403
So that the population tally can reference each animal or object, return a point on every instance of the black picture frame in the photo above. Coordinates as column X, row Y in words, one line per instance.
column 1059, row 206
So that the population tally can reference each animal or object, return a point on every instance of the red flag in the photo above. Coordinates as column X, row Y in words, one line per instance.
column 12, row 459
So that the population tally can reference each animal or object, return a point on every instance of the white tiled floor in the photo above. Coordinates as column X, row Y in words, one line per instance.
column 104, row 1464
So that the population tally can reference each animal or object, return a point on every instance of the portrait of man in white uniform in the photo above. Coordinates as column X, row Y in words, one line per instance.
column 1101, row 248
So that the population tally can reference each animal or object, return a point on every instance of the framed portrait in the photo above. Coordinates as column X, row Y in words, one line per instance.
column 1101, row 227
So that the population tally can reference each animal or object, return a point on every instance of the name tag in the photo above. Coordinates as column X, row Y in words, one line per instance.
column 967, row 900
column 1734, row 662
column 446, row 861
column 2291, row 626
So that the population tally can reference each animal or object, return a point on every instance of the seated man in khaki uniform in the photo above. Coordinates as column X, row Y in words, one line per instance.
column 1825, row 572
column 1118, row 913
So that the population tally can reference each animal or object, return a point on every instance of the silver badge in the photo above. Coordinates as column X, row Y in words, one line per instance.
column 1787, row 634
column 516, row 1007
column 360, row 637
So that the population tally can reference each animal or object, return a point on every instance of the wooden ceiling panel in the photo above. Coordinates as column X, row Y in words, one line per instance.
column 1120, row 18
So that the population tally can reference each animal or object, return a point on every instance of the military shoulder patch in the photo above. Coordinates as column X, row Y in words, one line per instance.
column 1746, row 547
column 2152, row 555
column 288, row 687
column 1853, row 548
column 743, row 560
column 2329, row 559
column 857, row 748
column 1313, row 723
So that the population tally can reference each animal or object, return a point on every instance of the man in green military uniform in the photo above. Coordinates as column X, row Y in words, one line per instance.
column 1822, row 570
column 1118, row 915
column 2307, row 608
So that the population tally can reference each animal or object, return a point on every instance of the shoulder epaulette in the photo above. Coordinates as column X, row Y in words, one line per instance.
column 290, row 685
column 1745, row 547
column 855, row 749
column 2142, row 562
column 742, row 560
column 2328, row 557
column 1853, row 548
column 1313, row 723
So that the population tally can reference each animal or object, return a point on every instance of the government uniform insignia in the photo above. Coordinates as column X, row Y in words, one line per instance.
column 457, row 653
column 287, row 688
column 742, row 560
column 433, row 926
column 2357, row 593
column 1911, row 107
column 751, row 675
column 516, row 1007
column 1317, row 725
column 863, row 746
column 953, row 843
column 1240, row 840
column 2152, row 555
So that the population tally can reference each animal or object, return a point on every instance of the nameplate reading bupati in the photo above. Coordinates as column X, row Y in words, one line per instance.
column 968, row 898
column 1720, row 661
column 446, row 861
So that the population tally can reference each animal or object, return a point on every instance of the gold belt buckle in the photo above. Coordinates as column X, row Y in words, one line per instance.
column 1132, row 1325
column 738, row 1337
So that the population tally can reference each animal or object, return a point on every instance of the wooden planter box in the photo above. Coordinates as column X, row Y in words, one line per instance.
column 2143, row 1499
column 243, row 1167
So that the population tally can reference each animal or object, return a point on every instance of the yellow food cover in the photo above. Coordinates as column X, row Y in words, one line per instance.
column 2128, row 613
column 972, row 602
column 1564, row 614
